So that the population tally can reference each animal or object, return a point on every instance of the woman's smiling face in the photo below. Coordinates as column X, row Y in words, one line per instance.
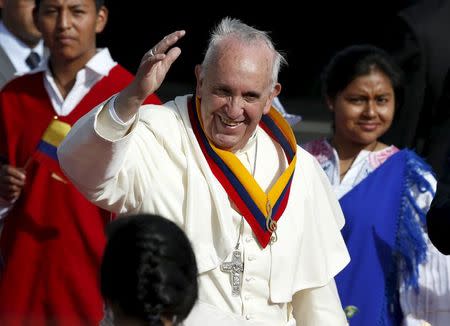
column 364, row 110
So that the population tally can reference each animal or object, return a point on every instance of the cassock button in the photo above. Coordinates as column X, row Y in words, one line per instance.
column 251, row 258
column 248, row 317
column 249, row 239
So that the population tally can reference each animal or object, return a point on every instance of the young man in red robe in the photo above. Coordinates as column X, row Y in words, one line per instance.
column 53, row 238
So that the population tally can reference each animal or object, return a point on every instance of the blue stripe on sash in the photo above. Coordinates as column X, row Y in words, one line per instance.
column 279, row 136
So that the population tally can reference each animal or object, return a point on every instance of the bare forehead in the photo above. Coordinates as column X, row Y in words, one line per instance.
column 240, row 52
column 374, row 79
column 70, row 3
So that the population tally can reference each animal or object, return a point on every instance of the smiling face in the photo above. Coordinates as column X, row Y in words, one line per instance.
column 235, row 90
column 364, row 110
column 69, row 28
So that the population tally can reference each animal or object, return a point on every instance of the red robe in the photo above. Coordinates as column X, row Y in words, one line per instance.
column 53, row 239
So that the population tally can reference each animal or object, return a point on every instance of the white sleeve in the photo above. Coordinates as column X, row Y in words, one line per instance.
column 114, row 165
column 318, row 306
column 92, row 156
column 115, row 116
column 429, row 306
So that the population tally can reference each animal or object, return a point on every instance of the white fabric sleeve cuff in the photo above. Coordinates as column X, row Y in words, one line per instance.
column 115, row 116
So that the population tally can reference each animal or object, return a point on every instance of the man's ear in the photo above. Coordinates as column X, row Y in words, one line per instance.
column 102, row 19
column 275, row 92
column 199, row 77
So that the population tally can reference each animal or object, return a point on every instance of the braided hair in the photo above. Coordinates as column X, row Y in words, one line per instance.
column 149, row 270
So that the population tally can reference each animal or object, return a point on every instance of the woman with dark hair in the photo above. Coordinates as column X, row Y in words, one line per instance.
column 148, row 272
column 395, row 277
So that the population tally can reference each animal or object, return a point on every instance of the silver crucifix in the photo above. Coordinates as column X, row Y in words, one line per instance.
column 235, row 268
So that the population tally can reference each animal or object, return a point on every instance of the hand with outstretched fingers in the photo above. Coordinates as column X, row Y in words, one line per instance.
column 151, row 73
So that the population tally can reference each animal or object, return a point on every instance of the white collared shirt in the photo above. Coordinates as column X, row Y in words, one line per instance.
column 18, row 51
column 97, row 67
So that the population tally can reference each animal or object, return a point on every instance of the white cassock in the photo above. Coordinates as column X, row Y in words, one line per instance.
column 156, row 165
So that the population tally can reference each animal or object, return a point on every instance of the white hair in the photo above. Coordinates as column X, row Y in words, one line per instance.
column 247, row 34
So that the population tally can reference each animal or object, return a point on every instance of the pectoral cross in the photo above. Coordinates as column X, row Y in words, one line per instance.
column 235, row 268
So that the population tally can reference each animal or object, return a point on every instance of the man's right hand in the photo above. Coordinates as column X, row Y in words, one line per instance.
column 151, row 73
column 12, row 180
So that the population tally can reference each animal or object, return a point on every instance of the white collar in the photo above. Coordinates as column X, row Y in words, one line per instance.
column 95, row 69
column 100, row 64
column 249, row 145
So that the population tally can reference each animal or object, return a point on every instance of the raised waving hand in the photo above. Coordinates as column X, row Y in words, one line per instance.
column 151, row 73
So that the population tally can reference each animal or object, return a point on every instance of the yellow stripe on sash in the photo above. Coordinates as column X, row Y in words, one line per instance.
column 259, row 197
column 284, row 127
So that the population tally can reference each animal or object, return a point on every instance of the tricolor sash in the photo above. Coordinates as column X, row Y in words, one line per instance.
column 261, row 210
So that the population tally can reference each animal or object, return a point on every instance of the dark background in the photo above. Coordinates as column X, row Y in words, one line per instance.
column 308, row 33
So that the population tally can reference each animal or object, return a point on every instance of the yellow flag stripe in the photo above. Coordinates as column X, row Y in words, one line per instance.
column 56, row 132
